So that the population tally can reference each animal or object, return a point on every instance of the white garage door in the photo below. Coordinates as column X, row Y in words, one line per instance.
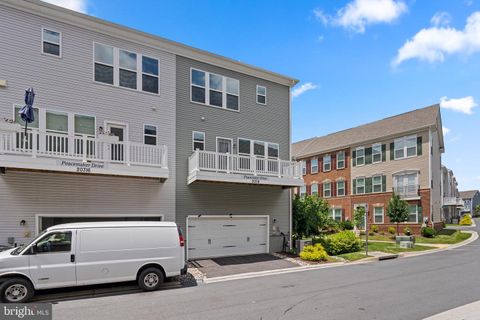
column 219, row 236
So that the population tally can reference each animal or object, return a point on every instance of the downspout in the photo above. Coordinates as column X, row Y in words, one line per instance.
column 290, row 215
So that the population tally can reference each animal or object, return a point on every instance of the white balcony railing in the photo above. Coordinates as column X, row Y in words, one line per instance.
column 81, row 147
column 449, row 201
column 407, row 191
column 242, row 164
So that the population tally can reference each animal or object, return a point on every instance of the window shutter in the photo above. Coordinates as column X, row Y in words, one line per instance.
column 346, row 158
column 392, row 151
column 308, row 165
column 309, row 189
column 419, row 146
column 333, row 187
column 354, row 190
column 420, row 214
column 345, row 186
column 320, row 190
column 354, row 158
column 334, row 162
column 368, row 155
column 384, row 183
column 384, row 152
column 368, row 185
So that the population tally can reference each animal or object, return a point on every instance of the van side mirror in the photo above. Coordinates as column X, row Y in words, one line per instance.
column 33, row 249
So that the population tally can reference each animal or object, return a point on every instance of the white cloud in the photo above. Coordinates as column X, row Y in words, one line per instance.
column 76, row 5
column 441, row 18
column 303, row 88
column 445, row 131
column 434, row 43
column 357, row 14
column 464, row 105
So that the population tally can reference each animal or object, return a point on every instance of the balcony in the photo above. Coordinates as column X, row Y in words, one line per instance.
column 450, row 201
column 81, row 154
column 408, row 192
column 232, row 168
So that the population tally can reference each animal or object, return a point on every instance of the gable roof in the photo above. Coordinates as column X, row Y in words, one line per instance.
column 469, row 194
column 403, row 123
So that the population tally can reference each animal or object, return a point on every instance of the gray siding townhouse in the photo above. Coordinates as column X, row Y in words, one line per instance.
column 471, row 199
column 452, row 203
column 131, row 126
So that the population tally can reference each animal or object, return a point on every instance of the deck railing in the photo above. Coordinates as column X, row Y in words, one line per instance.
column 407, row 190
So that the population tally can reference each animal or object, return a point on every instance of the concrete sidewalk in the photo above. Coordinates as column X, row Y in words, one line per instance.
column 469, row 311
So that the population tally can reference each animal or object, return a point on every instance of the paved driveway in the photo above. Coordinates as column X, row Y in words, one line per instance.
column 226, row 266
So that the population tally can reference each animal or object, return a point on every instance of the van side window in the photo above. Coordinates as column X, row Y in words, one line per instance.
column 55, row 242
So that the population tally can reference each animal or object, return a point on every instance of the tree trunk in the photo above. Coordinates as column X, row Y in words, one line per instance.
column 398, row 232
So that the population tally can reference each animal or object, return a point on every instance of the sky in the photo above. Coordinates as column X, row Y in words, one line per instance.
column 357, row 60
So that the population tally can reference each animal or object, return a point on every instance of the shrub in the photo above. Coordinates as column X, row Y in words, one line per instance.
column 315, row 252
column 466, row 220
column 407, row 231
column 342, row 242
column 362, row 232
column 391, row 230
column 347, row 225
column 374, row 228
column 428, row 232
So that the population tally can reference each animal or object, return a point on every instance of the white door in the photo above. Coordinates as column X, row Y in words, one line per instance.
column 118, row 149
column 53, row 262
column 210, row 236
column 224, row 146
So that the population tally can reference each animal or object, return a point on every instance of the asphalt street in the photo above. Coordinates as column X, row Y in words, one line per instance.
column 407, row 288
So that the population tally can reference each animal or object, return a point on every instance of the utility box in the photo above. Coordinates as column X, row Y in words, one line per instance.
column 399, row 239
column 406, row 244
column 300, row 244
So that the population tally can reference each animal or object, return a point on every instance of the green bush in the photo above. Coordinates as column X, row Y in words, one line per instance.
column 342, row 242
column 371, row 233
column 407, row 231
column 347, row 225
column 374, row 228
column 391, row 230
column 466, row 220
column 315, row 252
column 428, row 232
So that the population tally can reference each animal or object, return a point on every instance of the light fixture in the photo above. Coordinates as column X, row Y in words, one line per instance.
column 23, row 222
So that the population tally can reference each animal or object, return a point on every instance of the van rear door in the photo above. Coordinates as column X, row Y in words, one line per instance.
column 52, row 260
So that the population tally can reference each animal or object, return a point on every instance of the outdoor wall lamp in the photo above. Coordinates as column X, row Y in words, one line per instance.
column 23, row 222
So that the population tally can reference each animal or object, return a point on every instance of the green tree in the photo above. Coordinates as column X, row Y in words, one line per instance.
column 397, row 210
column 359, row 216
column 310, row 215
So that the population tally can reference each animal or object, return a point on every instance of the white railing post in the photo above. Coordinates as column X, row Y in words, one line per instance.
column 254, row 165
column 34, row 144
column 228, row 162
column 127, row 152
column 279, row 167
column 84, row 148
column 164, row 162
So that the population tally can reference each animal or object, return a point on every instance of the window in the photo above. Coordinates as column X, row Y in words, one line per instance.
column 377, row 183
column 19, row 120
column 198, row 140
column 413, row 216
column 377, row 153
column 360, row 187
column 314, row 189
column 244, row 146
column 56, row 122
column 149, row 74
column 103, row 63
column 327, row 189
column 336, row 214
column 406, row 184
column 304, row 167
column 341, row 160
column 405, row 147
column 378, row 214
column 51, row 42
column 261, row 95
column 327, row 163
column 223, row 92
column 84, row 125
column 150, row 134
column 360, row 158
column 259, row 148
column 273, row 150
column 340, row 188
column 303, row 191
column 128, row 69
column 55, row 242
column 314, row 165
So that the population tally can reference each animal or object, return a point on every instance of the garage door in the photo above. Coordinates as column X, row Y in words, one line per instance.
column 219, row 236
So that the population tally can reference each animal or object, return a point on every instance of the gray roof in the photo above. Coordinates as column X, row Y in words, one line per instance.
column 402, row 123
column 468, row 194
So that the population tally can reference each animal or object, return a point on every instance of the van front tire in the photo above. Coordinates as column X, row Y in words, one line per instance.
column 16, row 290
column 150, row 279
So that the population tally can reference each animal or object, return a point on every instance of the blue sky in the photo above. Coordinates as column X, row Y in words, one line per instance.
column 358, row 60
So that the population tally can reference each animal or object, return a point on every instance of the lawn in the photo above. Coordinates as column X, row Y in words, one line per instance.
column 393, row 248
column 353, row 256
column 445, row 236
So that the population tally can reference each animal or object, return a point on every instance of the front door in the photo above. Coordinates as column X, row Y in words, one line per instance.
column 52, row 264
column 118, row 149
column 224, row 146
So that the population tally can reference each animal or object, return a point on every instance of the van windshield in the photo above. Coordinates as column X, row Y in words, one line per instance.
column 23, row 246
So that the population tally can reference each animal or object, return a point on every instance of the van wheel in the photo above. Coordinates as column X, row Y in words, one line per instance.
column 16, row 290
column 150, row 279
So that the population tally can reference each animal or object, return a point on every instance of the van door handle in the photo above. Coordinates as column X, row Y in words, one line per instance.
column 72, row 258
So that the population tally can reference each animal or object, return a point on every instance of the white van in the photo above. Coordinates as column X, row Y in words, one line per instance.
column 78, row 254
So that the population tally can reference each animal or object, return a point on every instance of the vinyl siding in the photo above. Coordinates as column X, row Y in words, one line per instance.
column 267, row 123
column 436, row 165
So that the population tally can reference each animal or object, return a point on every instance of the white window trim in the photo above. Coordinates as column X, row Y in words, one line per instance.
column 60, row 44
column 263, row 95
column 323, row 163
column 341, row 167
column 204, row 140
column 311, row 188
column 304, row 167
column 332, row 211
column 404, row 139
column 150, row 135
column 357, row 157
column 148, row 74
column 130, row 70
column 373, row 183
column 409, row 213
column 329, row 183
column 375, row 215
column 373, row 154
column 311, row 166
column 252, row 143
column 302, row 194
column 224, row 138
column 356, row 185
column 116, row 69
column 336, row 185
column 207, row 90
